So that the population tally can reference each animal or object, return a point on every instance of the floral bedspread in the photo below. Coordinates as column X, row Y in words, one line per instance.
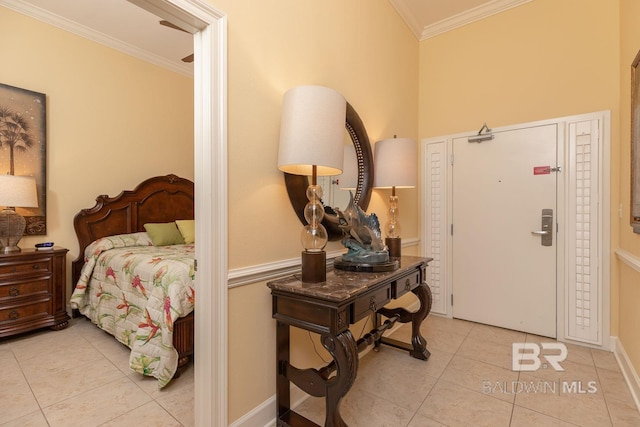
column 135, row 291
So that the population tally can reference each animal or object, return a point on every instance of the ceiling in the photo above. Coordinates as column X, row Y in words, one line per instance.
column 124, row 26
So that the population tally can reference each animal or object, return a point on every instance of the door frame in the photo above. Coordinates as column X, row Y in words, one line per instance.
column 441, row 148
column 209, row 29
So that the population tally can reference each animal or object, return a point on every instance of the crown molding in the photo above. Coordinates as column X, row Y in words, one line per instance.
column 477, row 13
column 93, row 35
column 408, row 16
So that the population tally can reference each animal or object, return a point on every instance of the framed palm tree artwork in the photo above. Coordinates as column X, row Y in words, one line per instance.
column 23, row 144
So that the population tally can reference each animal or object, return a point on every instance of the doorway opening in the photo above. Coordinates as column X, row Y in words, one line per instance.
column 209, row 29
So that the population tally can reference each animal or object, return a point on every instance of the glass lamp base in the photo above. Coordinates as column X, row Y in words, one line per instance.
column 12, row 227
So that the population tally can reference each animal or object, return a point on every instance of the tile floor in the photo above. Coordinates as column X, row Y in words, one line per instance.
column 79, row 377
column 467, row 381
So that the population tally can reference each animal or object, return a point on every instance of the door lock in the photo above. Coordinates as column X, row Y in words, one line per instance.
column 546, row 234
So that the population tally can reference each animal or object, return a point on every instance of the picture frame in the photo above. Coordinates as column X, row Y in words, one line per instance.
column 23, row 147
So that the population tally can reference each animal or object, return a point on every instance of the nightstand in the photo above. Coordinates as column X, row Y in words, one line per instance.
column 32, row 290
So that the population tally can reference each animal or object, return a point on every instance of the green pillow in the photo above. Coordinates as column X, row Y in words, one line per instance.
column 187, row 228
column 164, row 234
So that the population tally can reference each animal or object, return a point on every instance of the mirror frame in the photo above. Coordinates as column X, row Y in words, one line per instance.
column 297, row 184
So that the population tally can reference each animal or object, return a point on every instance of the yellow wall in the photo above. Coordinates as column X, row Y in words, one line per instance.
column 362, row 49
column 629, row 279
column 112, row 120
column 541, row 60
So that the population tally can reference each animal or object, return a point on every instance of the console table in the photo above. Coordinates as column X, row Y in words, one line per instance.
column 328, row 308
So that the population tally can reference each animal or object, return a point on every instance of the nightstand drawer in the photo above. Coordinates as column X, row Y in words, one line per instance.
column 24, row 268
column 24, row 288
column 370, row 303
column 23, row 312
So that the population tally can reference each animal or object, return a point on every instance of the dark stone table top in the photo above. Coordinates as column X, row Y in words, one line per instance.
column 342, row 285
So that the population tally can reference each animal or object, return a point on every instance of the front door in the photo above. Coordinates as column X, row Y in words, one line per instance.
column 505, row 229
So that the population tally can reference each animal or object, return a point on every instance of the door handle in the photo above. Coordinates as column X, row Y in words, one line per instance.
column 546, row 234
column 540, row 233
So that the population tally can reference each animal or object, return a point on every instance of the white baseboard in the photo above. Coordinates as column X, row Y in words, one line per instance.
column 628, row 371
column 261, row 415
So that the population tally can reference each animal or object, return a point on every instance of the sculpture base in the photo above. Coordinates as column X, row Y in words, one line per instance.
column 341, row 264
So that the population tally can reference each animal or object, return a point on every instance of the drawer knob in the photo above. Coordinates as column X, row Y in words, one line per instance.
column 13, row 315
column 36, row 266
column 14, row 292
column 372, row 304
column 407, row 285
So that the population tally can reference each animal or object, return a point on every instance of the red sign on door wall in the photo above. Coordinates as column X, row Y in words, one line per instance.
column 541, row 170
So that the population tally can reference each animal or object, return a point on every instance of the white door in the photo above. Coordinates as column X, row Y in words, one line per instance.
column 504, row 263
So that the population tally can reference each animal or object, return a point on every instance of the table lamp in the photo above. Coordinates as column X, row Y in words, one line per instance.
column 349, row 178
column 311, row 143
column 15, row 191
column 395, row 164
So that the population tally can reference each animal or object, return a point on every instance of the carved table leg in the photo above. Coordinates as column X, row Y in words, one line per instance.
column 417, row 340
column 418, row 348
column 345, row 354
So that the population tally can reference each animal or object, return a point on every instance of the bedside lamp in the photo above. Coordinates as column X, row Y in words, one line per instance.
column 395, row 163
column 311, row 143
column 15, row 191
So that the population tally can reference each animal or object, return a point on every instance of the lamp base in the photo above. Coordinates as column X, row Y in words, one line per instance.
column 314, row 267
column 395, row 246
column 12, row 227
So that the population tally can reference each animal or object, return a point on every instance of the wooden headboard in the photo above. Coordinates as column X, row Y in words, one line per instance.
column 158, row 199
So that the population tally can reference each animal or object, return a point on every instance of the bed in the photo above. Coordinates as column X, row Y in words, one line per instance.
column 158, row 331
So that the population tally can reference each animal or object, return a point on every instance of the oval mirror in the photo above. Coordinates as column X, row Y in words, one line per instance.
column 297, row 184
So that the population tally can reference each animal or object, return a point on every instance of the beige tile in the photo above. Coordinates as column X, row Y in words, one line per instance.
column 178, row 399
column 57, row 359
column 496, row 335
column 422, row 420
column 436, row 338
column 359, row 410
column 487, row 351
column 454, row 405
column 114, row 351
column 605, row 360
column 75, row 381
column 34, row 419
column 393, row 375
column 575, row 353
column 16, row 398
column 614, row 386
column 150, row 414
column 45, row 341
column 97, row 406
column 549, row 397
column 573, row 371
column 523, row 417
column 480, row 377
column 623, row 414
column 455, row 326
